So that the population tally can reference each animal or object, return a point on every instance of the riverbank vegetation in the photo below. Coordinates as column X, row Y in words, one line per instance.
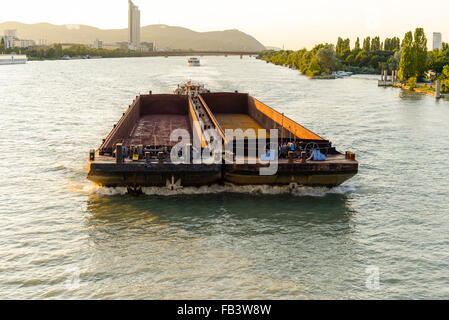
column 370, row 56
column 56, row 51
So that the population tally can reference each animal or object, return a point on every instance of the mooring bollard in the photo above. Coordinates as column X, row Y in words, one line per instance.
column 92, row 155
column 350, row 155
column 438, row 90
column 303, row 157
column 160, row 157
column 119, row 153
column 290, row 157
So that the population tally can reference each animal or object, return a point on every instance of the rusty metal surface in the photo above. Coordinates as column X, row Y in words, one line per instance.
column 263, row 115
column 155, row 129
column 124, row 127
column 239, row 121
column 163, row 104
column 151, row 119
column 270, row 117
column 134, row 128
column 226, row 102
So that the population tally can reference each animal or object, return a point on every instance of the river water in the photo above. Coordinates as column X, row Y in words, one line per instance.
column 383, row 234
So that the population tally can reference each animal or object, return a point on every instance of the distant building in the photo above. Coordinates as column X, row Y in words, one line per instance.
column 10, row 38
column 112, row 46
column 123, row 45
column 36, row 47
column 147, row 47
column 98, row 44
column 24, row 43
column 133, row 25
column 42, row 42
column 273, row 48
column 11, row 33
column 12, row 41
column 9, row 42
column 436, row 40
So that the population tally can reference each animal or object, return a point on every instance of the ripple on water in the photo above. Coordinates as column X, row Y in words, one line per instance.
column 220, row 241
column 90, row 188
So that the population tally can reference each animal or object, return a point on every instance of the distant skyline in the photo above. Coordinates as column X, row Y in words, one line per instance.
column 133, row 24
column 293, row 23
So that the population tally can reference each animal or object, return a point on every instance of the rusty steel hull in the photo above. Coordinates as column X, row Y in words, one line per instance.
column 150, row 120
column 328, row 173
column 308, row 174
column 159, row 175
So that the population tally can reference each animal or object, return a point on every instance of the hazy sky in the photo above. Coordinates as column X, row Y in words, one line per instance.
column 295, row 23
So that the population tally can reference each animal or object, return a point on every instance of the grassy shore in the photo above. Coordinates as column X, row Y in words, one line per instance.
column 419, row 89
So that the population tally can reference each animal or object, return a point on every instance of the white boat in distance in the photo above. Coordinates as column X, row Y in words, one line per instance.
column 13, row 59
column 193, row 62
column 341, row 74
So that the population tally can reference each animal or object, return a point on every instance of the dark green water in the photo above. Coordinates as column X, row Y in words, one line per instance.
column 219, row 242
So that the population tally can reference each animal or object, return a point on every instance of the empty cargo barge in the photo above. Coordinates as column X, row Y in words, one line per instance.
column 139, row 151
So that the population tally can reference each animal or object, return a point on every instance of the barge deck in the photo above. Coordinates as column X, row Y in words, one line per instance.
column 141, row 149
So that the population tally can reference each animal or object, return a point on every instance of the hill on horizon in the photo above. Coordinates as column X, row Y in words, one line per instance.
column 165, row 36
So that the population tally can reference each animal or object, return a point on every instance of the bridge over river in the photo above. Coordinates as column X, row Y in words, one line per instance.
column 200, row 53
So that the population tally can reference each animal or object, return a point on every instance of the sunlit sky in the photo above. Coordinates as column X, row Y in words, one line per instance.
column 293, row 23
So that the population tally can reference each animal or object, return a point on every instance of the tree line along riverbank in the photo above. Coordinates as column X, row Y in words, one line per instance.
column 410, row 57
column 78, row 51
column 56, row 51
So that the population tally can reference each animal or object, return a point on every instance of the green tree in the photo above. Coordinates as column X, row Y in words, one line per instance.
column 327, row 59
column 346, row 48
column 50, row 53
column 2, row 45
column 437, row 59
column 367, row 44
column 445, row 79
column 420, row 49
column 387, row 44
column 376, row 61
column 375, row 44
column 350, row 59
column 393, row 61
column 305, row 62
column 58, row 50
column 411, row 83
column 40, row 53
column 313, row 68
column 317, row 61
column 407, row 65
column 339, row 47
column 362, row 58
column 395, row 44
column 445, row 73
column 357, row 44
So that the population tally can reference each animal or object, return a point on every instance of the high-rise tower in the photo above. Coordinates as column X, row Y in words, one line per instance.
column 133, row 25
column 436, row 40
